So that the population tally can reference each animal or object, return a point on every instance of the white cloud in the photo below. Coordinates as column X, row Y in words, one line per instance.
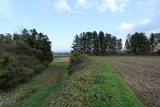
column 86, row 3
column 5, row 7
column 113, row 5
column 62, row 5
column 145, row 21
column 122, row 5
column 138, row 27
column 147, row 25
column 82, row 2
column 125, row 27
column 101, row 5
column 108, row 4
column 151, row 24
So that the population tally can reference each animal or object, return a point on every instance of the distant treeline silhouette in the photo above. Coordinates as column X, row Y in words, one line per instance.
column 94, row 43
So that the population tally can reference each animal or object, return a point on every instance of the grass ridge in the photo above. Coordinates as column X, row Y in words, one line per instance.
column 95, row 84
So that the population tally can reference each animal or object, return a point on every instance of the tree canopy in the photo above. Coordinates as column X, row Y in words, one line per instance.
column 22, row 56
column 94, row 43
column 139, row 44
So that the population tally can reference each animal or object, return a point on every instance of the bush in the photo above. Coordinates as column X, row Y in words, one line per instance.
column 17, row 69
column 39, row 67
column 77, row 62
column 23, row 56
column 7, row 71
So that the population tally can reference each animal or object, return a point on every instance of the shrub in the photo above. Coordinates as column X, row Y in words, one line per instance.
column 7, row 71
column 77, row 62
column 23, row 56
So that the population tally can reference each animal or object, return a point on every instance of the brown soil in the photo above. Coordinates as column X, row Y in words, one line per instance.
column 142, row 74
column 51, row 76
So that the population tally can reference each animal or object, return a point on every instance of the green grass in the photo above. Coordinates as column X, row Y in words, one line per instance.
column 43, row 93
column 59, row 64
column 120, row 94
column 95, row 84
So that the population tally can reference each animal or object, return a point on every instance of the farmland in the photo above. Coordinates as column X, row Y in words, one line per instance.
column 141, row 74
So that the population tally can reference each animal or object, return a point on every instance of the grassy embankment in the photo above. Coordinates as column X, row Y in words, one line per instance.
column 41, row 89
column 95, row 84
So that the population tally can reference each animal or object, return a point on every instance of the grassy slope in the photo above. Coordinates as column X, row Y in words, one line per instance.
column 122, row 95
column 95, row 84
column 43, row 93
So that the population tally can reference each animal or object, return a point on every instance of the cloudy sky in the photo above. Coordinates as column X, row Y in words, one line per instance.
column 62, row 19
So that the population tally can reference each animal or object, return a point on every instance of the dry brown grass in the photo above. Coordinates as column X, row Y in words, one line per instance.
column 142, row 74
column 65, row 59
column 61, row 58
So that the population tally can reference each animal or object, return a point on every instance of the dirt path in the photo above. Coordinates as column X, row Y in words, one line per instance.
column 51, row 76
column 142, row 74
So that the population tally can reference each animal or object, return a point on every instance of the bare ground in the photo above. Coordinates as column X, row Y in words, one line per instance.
column 51, row 76
column 142, row 74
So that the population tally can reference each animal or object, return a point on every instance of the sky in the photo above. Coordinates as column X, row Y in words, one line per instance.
column 61, row 20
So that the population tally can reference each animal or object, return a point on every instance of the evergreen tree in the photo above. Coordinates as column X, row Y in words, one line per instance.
column 119, row 45
column 138, row 44
column 101, row 43
column 152, row 42
column 113, row 45
column 96, row 44
column 155, row 43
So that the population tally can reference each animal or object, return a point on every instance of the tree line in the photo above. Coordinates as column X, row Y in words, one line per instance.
column 139, row 44
column 22, row 56
column 94, row 43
